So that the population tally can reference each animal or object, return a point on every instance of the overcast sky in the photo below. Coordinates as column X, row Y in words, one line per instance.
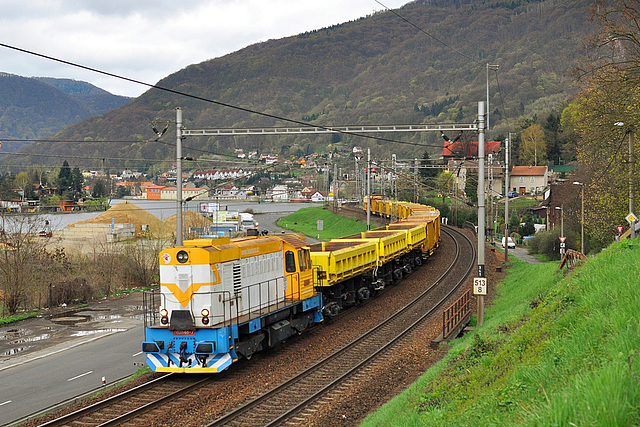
column 147, row 40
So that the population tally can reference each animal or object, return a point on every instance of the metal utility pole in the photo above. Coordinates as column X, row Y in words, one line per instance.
column 481, row 207
column 335, row 187
column 356, row 175
column 506, row 198
column 490, row 194
column 394, row 185
column 561, row 219
column 179, row 176
column 631, row 197
column 581, row 184
column 415, row 192
column 368, row 189
column 494, row 68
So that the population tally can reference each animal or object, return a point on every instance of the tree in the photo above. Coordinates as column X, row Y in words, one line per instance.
column 99, row 189
column 427, row 169
column 610, row 93
column 122, row 191
column 533, row 149
column 64, row 178
column 552, row 135
column 444, row 181
column 77, row 182
column 471, row 186
column 514, row 223
column 23, row 182
column 23, row 261
column 527, row 228
column 6, row 187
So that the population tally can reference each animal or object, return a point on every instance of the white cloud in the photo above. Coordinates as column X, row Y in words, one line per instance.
column 147, row 40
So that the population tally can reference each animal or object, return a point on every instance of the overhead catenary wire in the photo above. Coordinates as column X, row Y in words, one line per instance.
column 200, row 98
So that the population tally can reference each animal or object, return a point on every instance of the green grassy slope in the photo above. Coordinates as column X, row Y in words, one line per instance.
column 305, row 221
column 553, row 350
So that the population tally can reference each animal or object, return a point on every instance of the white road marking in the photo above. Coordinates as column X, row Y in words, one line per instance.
column 4, row 403
column 81, row 375
column 137, row 354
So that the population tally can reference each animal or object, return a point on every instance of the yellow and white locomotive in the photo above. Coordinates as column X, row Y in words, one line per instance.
column 220, row 299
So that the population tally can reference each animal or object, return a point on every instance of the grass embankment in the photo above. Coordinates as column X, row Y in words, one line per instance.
column 553, row 350
column 305, row 221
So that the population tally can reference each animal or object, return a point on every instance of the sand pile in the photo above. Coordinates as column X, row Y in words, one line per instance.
column 189, row 219
column 127, row 213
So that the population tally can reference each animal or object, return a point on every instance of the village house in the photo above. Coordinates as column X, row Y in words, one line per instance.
column 138, row 188
column 280, row 193
column 529, row 179
column 494, row 176
column 171, row 193
column 154, row 192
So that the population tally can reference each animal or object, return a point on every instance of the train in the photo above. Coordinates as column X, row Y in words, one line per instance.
column 222, row 299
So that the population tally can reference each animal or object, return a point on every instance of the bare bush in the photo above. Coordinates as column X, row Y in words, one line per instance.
column 139, row 262
column 24, row 261
column 75, row 290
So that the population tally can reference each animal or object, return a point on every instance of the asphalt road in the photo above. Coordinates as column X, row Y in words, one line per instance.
column 41, row 369
column 521, row 253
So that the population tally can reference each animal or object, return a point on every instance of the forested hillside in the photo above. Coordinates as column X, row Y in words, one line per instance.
column 376, row 70
column 36, row 107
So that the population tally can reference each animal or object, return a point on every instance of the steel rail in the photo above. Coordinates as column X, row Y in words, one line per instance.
column 74, row 417
column 234, row 416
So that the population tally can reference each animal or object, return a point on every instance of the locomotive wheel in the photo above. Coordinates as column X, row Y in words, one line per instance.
column 331, row 310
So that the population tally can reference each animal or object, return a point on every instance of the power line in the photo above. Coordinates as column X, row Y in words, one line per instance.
column 464, row 55
column 196, row 97
column 504, row 108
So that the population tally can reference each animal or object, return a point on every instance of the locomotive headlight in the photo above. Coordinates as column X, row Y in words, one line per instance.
column 182, row 257
column 164, row 312
column 205, row 316
column 257, row 223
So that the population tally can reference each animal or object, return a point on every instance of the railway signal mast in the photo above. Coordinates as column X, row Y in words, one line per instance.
column 481, row 207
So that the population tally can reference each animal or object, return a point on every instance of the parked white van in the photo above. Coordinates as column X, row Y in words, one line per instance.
column 511, row 242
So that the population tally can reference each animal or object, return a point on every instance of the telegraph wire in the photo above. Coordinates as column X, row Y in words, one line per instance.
column 464, row 55
column 200, row 98
column 454, row 50
column 132, row 141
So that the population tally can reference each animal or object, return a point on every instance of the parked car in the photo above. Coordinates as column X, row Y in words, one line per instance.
column 511, row 243
column 513, row 194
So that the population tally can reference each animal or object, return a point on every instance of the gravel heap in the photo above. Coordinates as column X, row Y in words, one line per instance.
column 126, row 213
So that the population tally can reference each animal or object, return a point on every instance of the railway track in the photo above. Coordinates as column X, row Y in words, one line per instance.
column 298, row 399
column 130, row 404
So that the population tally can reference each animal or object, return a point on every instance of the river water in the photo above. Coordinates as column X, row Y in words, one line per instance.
column 163, row 209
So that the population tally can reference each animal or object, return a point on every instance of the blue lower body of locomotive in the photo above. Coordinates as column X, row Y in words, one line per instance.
column 211, row 350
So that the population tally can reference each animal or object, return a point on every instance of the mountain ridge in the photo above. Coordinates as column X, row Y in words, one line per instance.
column 374, row 70
column 35, row 107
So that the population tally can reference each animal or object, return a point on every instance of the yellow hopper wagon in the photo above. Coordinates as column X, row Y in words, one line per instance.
column 349, row 270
